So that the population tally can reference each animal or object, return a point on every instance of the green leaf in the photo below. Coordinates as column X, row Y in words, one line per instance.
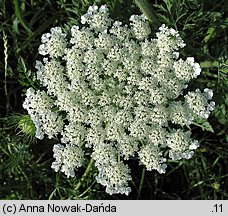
column 224, row 68
column 208, row 64
column 203, row 124
column 211, row 32
column 19, row 16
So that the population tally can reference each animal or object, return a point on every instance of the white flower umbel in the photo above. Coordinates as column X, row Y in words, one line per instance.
column 39, row 106
column 53, row 43
column 115, row 177
column 198, row 102
column 67, row 158
column 181, row 145
column 151, row 156
column 140, row 26
column 113, row 89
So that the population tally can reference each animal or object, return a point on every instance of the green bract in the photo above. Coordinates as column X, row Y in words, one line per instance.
column 112, row 88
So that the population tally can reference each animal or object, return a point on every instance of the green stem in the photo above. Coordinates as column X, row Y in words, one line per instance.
column 135, row 186
column 57, row 184
column 198, row 125
column 85, row 174
column 147, row 9
column 141, row 182
column 118, row 159
column 83, row 193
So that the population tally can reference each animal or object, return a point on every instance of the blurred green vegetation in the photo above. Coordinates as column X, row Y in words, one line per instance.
column 25, row 163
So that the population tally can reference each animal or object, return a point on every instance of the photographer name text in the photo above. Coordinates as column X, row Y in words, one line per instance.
column 53, row 208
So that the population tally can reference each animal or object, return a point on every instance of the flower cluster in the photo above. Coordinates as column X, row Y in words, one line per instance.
column 112, row 88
